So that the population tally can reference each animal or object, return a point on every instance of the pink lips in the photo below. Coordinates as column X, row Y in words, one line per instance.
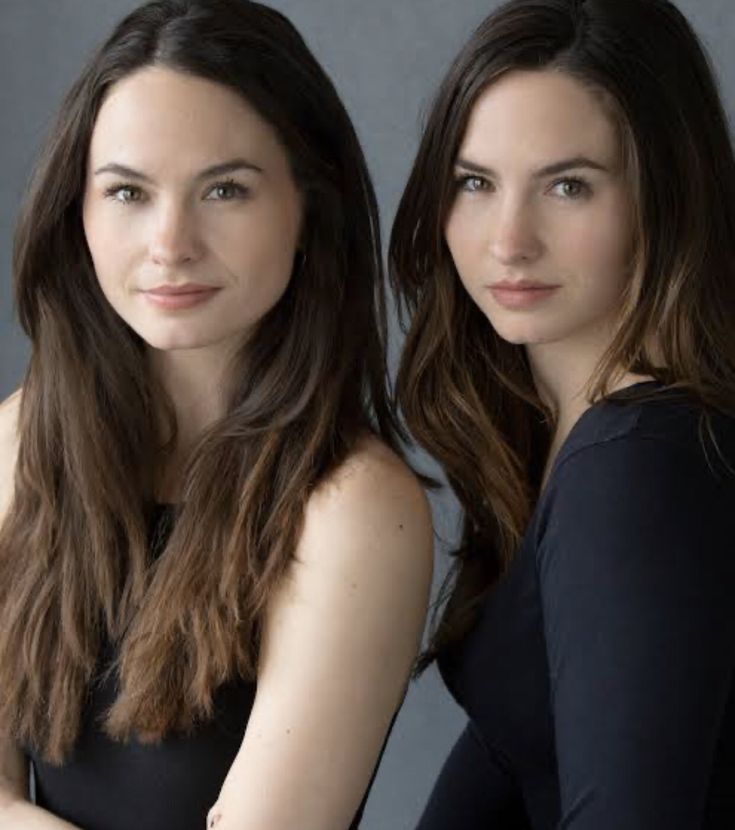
column 175, row 297
column 520, row 294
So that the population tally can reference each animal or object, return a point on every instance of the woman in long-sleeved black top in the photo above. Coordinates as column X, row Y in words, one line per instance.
column 600, row 674
column 566, row 249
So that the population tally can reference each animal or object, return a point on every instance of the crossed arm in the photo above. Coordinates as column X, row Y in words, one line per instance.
column 339, row 642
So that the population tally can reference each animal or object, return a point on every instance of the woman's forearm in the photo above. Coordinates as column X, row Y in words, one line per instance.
column 18, row 814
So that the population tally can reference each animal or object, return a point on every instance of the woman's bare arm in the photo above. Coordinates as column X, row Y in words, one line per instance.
column 16, row 813
column 340, row 638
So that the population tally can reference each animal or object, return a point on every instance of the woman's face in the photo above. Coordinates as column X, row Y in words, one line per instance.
column 191, row 212
column 540, row 227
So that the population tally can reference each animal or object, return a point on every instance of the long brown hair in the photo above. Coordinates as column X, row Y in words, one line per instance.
column 468, row 396
column 75, row 566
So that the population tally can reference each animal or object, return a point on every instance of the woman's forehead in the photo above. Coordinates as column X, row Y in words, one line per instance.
column 537, row 118
column 159, row 117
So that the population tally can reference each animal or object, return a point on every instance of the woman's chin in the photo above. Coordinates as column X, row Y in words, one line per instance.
column 528, row 332
column 520, row 334
column 170, row 341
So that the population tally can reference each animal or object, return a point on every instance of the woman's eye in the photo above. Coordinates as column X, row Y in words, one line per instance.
column 571, row 189
column 125, row 193
column 471, row 184
column 226, row 191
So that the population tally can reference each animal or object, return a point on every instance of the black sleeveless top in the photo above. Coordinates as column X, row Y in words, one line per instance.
column 109, row 785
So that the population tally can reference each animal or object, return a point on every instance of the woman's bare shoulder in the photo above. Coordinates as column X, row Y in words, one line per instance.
column 372, row 459
column 340, row 635
column 9, row 411
column 374, row 496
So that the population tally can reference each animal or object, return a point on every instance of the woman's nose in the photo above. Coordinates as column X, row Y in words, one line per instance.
column 515, row 238
column 174, row 236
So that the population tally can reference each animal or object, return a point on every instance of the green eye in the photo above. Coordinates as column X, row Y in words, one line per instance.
column 226, row 191
column 471, row 184
column 571, row 188
column 124, row 193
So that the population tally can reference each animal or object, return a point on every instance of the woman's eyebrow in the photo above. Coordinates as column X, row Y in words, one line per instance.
column 574, row 163
column 207, row 173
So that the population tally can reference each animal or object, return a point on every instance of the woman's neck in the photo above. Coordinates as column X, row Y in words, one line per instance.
column 562, row 372
column 195, row 383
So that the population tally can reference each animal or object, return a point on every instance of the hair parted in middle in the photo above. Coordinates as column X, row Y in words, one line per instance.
column 310, row 382
column 467, row 395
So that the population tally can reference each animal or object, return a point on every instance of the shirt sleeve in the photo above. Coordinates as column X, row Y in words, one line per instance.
column 637, row 577
column 474, row 791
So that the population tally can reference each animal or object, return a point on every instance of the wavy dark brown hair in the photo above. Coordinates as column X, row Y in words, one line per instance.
column 468, row 396
column 75, row 567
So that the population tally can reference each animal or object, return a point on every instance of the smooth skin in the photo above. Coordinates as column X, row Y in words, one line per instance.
column 186, row 183
column 541, row 195
column 344, row 626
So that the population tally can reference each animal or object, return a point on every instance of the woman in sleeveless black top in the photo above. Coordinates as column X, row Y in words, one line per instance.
column 113, row 785
column 566, row 246
column 214, row 564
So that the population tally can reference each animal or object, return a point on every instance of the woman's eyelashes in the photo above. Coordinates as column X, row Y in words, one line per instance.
column 470, row 183
column 124, row 193
column 225, row 191
column 570, row 188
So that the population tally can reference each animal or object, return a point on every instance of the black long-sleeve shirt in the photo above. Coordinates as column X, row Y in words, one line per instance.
column 599, row 679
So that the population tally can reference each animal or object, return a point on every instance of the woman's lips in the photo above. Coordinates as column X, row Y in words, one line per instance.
column 174, row 298
column 520, row 296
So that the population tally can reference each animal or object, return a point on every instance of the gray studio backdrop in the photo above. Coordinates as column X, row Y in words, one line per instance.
column 386, row 57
